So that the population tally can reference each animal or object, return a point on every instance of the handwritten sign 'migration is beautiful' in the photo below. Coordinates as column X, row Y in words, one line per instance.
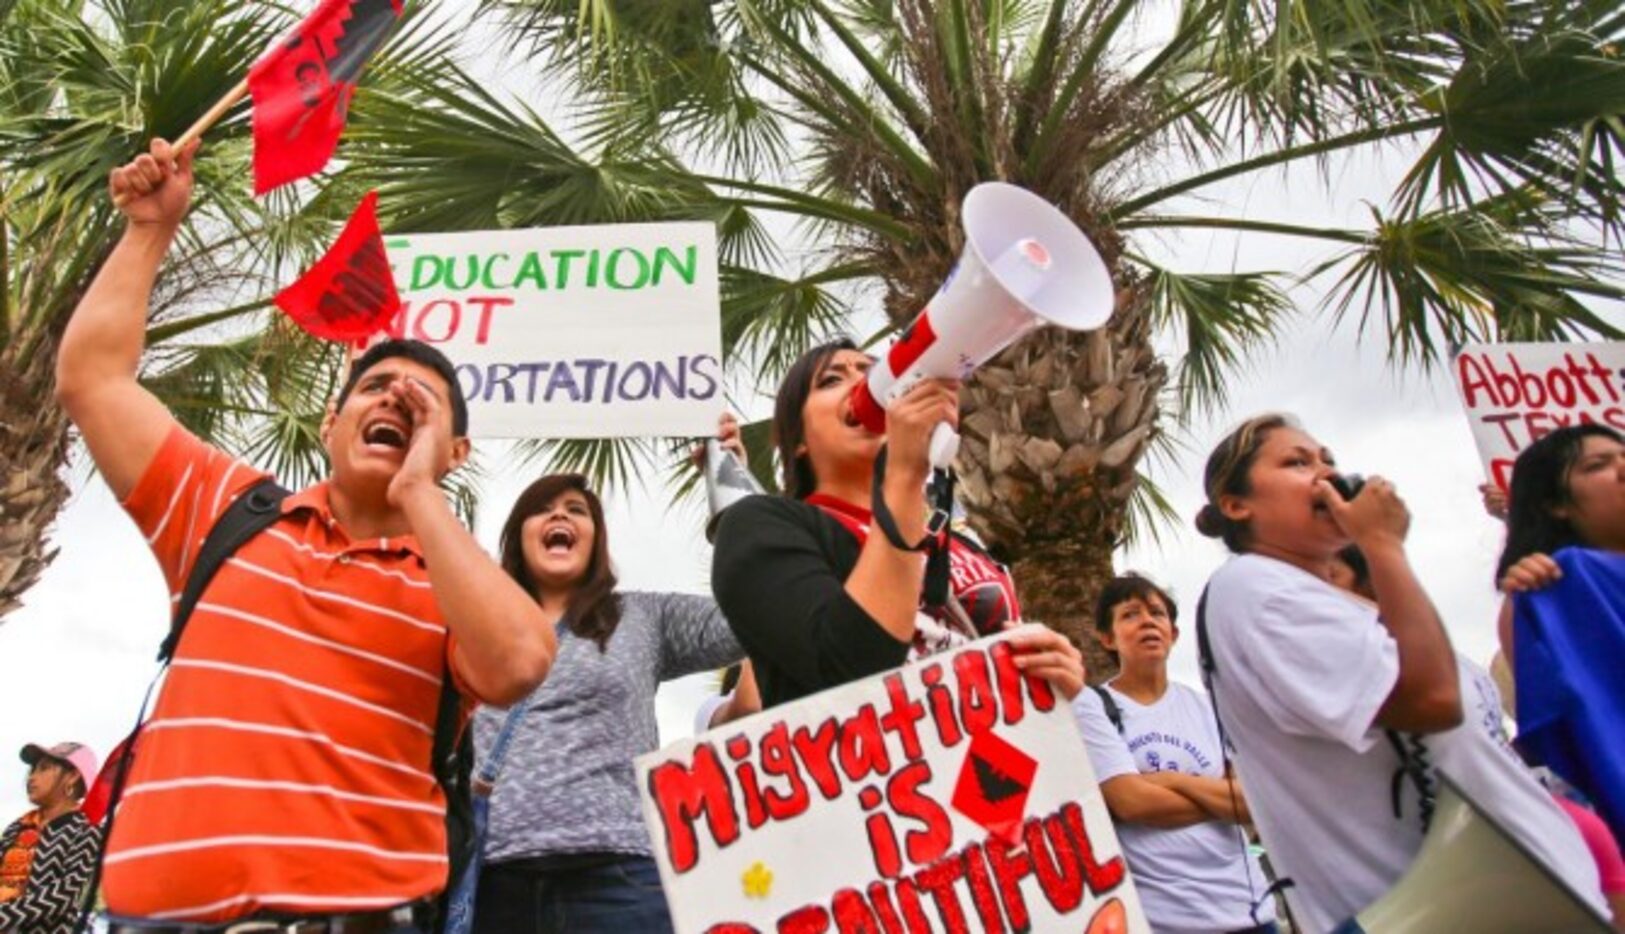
column 571, row 332
column 1517, row 393
column 952, row 795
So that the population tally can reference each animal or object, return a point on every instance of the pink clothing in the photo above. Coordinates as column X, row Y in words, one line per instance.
column 1600, row 841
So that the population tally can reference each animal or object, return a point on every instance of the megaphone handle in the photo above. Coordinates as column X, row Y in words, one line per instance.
column 944, row 446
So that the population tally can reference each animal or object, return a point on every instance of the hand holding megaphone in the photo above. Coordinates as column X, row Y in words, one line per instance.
column 1025, row 264
column 917, row 419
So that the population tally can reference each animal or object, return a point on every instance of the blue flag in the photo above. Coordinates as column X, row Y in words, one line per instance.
column 1569, row 667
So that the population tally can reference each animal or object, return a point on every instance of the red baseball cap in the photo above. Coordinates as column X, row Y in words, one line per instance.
column 77, row 755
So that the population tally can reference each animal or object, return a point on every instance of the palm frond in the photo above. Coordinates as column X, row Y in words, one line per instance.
column 1223, row 318
column 1455, row 276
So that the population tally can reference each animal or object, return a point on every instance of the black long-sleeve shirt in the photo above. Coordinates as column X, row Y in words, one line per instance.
column 57, row 877
column 779, row 573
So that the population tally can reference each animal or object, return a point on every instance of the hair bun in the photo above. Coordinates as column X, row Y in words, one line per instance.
column 1210, row 521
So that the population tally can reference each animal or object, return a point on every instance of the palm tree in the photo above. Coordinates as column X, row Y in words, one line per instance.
column 83, row 85
column 866, row 121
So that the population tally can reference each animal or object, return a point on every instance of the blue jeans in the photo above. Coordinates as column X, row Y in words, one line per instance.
column 618, row 895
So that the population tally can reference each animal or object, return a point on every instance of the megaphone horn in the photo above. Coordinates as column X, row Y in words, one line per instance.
column 1025, row 264
column 1471, row 875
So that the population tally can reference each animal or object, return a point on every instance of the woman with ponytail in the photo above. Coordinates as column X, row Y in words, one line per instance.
column 1344, row 712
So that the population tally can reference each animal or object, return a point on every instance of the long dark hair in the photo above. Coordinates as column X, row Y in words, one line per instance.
column 789, row 426
column 594, row 610
column 1540, row 486
column 1227, row 474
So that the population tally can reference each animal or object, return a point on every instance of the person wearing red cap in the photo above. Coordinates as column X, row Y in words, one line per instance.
column 47, row 855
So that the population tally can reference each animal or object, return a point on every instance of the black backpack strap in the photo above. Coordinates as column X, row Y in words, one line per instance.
column 453, row 765
column 253, row 511
column 249, row 514
column 1210, row 669
column 1114, row 713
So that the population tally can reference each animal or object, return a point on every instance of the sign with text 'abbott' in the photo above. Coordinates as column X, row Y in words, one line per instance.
column 952, row 795
column 1517, row 393
column 571, row 332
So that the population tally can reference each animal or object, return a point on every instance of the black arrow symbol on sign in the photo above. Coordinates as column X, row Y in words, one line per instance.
column 996, row 786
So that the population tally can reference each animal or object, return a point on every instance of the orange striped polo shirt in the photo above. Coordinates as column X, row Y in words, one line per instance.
column 285, row 766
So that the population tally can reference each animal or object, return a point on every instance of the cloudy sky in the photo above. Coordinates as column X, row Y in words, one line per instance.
column 75, row 661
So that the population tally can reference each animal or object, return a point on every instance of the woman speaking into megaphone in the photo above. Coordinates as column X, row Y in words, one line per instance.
column 824, row 584
column 1344, row 713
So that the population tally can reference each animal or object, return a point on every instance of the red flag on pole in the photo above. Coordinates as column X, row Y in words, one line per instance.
column 302, row 87
column 350, row 293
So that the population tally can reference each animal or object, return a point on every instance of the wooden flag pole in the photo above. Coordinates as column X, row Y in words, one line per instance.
column 202, row 124
column 213, row 115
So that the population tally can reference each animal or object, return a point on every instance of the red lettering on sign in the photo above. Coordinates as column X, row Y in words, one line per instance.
column 853, row 915
column 903, row 715
column 903, row 794
column 1102, row 877
column 816, row 750
column 982, row 896
column 808, row 919
column 681, row 794
column 1010, row 865
column 978, row 708
column 937, row 881
column 779, row 761
column 1055, row 861
column 942, row 705
column 863, row 746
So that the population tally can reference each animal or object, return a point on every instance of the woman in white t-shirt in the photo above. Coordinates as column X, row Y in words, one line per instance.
column 1156, row 753
column 1343, row 714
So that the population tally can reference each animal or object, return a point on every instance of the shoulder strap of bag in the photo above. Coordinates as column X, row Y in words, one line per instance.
column 249, row 514
column 1114, row 713
column 1210, row 669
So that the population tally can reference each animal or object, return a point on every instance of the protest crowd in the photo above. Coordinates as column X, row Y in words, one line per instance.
column 368, row 723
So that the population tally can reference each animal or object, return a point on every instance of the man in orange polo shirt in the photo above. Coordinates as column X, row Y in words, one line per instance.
column 285, row 772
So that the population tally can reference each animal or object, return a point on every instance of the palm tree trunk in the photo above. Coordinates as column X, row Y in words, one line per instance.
column 33, row 451
column 1054, row 430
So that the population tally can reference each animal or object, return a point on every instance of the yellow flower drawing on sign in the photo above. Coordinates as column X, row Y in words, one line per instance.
column 758, row 880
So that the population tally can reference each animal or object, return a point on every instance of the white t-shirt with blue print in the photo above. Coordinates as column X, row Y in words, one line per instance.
column 1192, row 878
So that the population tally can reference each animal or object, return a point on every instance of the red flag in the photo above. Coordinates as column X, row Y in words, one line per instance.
column 303, row 85
column 100, row 793
column 350, row 293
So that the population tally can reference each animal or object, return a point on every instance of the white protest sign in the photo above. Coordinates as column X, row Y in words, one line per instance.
column 571, row 332
column 1517, row 393
column 951, row 795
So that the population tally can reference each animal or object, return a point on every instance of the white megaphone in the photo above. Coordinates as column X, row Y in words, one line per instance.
column 727, row 481
column 1471, row 875
column 1025, row 264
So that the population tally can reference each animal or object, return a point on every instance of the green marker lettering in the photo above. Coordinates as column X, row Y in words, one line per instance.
column 473, row 274
column 426, row 272
column 485, row 277
column 615, row 281
column 530, row 269
column 665, row 256
column 564, row 257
